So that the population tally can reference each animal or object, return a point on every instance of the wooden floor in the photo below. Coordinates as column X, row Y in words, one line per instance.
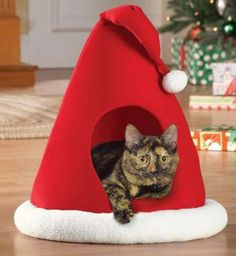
column 19, row 160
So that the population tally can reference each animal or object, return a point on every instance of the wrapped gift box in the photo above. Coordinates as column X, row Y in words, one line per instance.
column 199, row 58
column 215, row 138
column 224, row 78
column 196, row 59
column 202, row 102
column 177, row 48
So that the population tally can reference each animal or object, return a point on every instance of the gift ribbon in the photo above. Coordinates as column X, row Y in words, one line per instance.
column 231, row 90
column 182, row 57
column 218, row 128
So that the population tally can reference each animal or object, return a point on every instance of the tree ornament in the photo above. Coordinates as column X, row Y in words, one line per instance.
column 198, row 23
column 194, row 33
column 221, row 6
column 191, row 4
column 229, row 28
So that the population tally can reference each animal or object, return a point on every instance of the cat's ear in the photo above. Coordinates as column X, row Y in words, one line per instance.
column 132, row 136
column 169, row 137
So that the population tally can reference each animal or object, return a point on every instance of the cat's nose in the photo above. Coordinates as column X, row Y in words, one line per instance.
column 152, row 168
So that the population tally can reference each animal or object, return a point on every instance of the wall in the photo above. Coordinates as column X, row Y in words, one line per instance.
column 156, row 11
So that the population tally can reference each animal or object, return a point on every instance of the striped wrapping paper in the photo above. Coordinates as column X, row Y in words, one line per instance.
column 203, row 102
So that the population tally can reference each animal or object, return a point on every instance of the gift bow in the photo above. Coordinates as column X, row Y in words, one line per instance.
column 231, row 90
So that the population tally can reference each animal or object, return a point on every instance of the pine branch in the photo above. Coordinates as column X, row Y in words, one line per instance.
column 202, row 13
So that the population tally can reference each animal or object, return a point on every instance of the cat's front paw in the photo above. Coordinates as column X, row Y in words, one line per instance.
column 123, row 216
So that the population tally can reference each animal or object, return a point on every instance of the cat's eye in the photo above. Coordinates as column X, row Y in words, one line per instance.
column 143, row 159
column 164, row 159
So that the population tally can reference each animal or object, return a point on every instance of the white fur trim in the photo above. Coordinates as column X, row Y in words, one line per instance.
column 174, row 81
column 152, row 227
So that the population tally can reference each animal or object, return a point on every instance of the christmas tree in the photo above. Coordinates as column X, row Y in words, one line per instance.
column 210, row 21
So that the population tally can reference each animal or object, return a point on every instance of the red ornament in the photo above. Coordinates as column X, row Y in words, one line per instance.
column 194, row 33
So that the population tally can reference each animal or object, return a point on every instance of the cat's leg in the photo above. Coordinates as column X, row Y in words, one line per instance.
column 120, row 201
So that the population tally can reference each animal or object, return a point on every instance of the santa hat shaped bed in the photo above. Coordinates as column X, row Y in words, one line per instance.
column 119, row 79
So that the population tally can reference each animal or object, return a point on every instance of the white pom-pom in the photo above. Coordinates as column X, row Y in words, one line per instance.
column 174, row 81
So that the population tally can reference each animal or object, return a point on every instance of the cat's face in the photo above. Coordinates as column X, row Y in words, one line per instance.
column 151, row 156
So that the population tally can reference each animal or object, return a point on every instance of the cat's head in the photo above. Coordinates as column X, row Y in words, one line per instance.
column 151, row 157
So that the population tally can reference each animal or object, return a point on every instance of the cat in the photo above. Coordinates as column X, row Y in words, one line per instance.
column 139, row 167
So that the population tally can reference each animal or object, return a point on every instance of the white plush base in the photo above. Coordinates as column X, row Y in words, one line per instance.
column 152, row 227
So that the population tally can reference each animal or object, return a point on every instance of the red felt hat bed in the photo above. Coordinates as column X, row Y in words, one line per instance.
column 118, row 80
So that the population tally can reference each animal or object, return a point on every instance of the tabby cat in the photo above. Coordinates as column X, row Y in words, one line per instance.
column 139, row 167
